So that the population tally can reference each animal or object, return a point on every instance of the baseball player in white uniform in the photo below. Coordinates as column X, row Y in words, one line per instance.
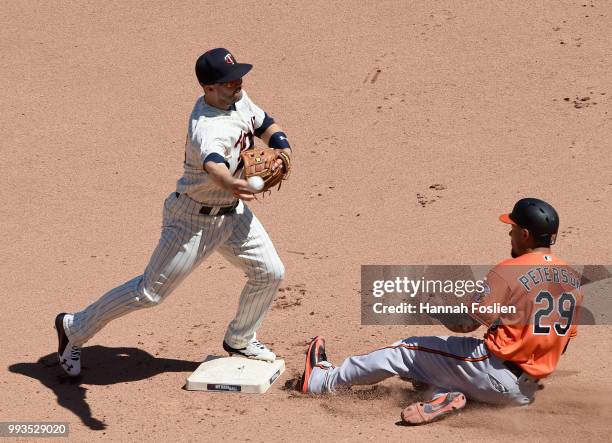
column 206, row 213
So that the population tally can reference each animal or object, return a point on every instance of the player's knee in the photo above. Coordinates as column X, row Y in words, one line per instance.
column 279, row 272
column 148, row 297
column 406, row 341
column 275, row 274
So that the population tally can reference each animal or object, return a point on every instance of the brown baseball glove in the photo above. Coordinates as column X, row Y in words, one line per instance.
column 259, row 161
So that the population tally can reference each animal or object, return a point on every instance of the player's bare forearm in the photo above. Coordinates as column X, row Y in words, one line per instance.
column 222, row 177
column 265, row 136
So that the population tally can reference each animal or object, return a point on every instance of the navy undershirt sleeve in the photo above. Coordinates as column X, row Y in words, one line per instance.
column 267, row 122
column 215, row 158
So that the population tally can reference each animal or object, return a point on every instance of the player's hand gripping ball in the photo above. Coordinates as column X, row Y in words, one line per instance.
column 256, row 183
column 258, row 164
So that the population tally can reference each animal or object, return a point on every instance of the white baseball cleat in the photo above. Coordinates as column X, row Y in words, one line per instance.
column 69, row 356
column 255, row 350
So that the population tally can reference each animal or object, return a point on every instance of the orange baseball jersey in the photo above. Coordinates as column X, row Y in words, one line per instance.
column 530, row 305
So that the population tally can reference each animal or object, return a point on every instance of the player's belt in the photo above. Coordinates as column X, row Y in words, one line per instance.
column 215, row 210
column 210, row 210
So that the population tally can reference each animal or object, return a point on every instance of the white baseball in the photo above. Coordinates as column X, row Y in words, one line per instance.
column 256, row 183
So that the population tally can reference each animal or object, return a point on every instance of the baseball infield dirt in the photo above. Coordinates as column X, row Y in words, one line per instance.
column 414, row 124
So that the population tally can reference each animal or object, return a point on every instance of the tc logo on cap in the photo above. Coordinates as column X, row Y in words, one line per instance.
column 219, row 66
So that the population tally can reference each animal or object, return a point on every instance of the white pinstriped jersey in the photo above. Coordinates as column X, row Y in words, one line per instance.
column 213, row 130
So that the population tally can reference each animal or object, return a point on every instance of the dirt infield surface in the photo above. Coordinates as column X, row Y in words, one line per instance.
column 414, row 124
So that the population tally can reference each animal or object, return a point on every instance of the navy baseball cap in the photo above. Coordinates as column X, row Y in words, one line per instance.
column 219, row 66
column 539, row 217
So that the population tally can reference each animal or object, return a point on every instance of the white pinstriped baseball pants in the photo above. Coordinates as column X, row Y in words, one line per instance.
column 187, row 238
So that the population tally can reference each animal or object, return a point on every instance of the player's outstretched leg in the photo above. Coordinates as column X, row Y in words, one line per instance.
column 318, row 371
column 437, row 408
column 186, row 240
column 249, row 248
column 321, row 376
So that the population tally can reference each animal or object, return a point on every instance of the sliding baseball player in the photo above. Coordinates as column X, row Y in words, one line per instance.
column 517, row 351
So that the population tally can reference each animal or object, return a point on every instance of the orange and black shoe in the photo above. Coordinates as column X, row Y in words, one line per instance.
column 436, row 409
column 314, row 355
